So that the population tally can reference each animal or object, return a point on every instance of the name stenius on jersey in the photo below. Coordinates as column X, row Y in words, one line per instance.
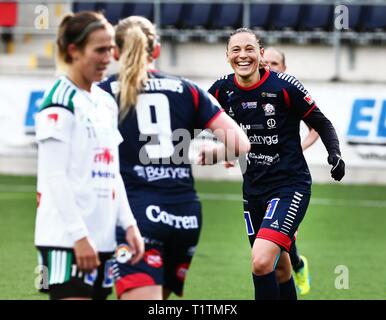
column 154, row 154
column 164, row 84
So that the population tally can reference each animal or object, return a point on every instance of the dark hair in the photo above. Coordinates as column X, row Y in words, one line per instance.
column 243, row 30
column 75, row 29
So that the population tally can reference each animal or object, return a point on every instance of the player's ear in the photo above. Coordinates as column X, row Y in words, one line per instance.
column 116, row 53
column 73, row 51
column 157, row 51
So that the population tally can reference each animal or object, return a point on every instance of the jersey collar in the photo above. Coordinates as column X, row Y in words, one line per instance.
column 264, row 73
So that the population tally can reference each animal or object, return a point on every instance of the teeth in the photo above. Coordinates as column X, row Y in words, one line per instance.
column 243, row 63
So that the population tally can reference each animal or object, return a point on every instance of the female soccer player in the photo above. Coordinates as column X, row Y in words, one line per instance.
column 277, row 182
column 275, row 59
column 158, row 115
column 80, row 190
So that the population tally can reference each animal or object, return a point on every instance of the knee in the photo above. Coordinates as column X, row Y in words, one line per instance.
column 262, row 265
column 282, row 274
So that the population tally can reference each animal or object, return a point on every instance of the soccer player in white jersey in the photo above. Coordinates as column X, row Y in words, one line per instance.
column 81, row 196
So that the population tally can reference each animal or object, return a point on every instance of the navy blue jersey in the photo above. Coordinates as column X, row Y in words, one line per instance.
column 270, row 112
column 154, row 154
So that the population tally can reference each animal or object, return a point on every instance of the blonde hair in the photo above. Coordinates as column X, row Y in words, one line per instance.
column 75, row 29
column 136, row 40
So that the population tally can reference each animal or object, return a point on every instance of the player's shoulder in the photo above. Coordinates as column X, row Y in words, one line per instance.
column 110, row 84
column 61, row 94
column 224, row 80
column 287, row 80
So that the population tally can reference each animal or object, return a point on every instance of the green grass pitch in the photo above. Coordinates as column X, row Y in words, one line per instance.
column 344, row 226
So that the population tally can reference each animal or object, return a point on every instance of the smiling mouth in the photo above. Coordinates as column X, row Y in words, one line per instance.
column 243, row 64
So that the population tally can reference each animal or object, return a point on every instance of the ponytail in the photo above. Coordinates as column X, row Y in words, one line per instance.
column 132, row 74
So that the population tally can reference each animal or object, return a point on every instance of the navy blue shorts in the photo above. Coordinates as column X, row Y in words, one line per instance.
column 171, row 233
column 276, row 216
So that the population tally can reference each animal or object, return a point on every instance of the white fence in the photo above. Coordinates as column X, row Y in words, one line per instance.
column 358, row 112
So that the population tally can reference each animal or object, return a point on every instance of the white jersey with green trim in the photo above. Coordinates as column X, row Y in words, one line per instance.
column 86, row 122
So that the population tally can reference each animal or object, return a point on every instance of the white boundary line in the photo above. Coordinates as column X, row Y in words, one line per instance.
column 233, row 197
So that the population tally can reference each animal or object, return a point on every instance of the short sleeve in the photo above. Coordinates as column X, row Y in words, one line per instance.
column 54, row 123
column 206, row 106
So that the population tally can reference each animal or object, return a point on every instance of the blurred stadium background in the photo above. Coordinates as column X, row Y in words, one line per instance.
column 335, row 48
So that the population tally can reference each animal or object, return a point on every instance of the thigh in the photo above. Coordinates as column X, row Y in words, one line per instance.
column 149, row 271
column 285, row 209
column 253, row 215
column 180, row 248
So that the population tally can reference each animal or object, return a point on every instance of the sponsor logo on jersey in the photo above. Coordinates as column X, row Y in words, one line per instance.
column 182, row 270
column 269, row 109
column 154, row 214
column 89, row 278
column 153, row 258
column 275, row 224
column 271, row 123
column 269, row 95
column 230, row 112
column 229, row 93
column 272, row 204
column 108, row 278
column 249, row 105
column 151, row 173
column 308, row 99
column 268, row 140
column 251, row 126
column 123, row 253
column 102, row 174
column 104, row 155
column 53, row 117
column 263, row 158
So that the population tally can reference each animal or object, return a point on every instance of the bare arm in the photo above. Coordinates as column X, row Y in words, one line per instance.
column 235, row 141
column 310, row 139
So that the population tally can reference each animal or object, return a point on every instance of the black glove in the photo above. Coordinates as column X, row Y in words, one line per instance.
column 338, row 166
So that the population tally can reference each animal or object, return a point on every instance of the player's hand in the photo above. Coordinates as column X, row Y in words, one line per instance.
column 87, row 258
column 230, row 164
column 207, row 155
column 135, row 240
column 338, row 166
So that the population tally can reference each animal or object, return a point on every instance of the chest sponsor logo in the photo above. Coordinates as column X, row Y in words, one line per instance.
column 269, row 109
column 154, row 214
column 104, row 155
column 268, row 95
column 251, row 126
column 102, row 174
column 53, row 118
column 267, row 140
column 263, row 158
column 249, row 105
column 271, row 123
